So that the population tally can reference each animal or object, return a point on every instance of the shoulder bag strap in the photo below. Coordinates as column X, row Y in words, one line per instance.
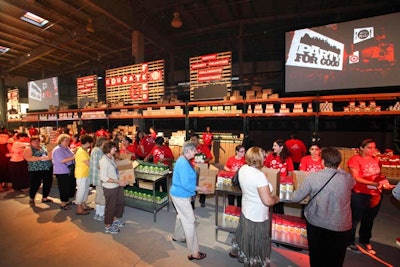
column 321, row 188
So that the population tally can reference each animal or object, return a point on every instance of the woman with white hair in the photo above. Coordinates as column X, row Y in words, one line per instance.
column 184, row 180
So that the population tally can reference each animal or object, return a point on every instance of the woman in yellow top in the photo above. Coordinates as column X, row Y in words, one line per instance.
column 82, row 163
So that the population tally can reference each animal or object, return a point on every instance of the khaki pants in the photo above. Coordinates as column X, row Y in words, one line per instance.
column 184, row 225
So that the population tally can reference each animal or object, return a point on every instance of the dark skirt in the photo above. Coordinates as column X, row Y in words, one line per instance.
column 4, row 162
column 252, row 242
column 19, row 174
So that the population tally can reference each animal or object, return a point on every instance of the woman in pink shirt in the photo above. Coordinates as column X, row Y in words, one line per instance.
column 18, row 166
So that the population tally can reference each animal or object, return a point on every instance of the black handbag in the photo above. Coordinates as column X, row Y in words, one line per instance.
column 235, row 179
column 71, row 169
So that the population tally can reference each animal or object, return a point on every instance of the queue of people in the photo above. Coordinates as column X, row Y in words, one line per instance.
column 339, row 201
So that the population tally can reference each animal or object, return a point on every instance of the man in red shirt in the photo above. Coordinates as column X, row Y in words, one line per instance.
column 146, row 144
column 33, row 131
column 203, row 155
column 161, row 153
column 296, row 148
column 208, row 137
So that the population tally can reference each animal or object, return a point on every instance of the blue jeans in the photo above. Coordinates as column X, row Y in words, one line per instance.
column 362, row 212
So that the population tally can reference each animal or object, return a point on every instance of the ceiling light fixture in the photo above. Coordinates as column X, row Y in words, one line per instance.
column 176, row 21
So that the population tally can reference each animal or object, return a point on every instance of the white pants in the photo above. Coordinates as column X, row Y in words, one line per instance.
column 82, row 190
column 99, row 199
column 184, row 225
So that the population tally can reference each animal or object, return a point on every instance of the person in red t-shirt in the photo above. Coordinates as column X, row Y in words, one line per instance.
column 161, row 154
column 203, row 155
column 312, row 162
column 208, row 137
column 146, row 144
column 136, row 143
column 127, row 147
column 82, row 131
column 74, row 143
column 296, row 148
column 280, row 160
column 33, row 131
column 102, row 132
column 366, row 197
column 233, row 164
column 153, row 132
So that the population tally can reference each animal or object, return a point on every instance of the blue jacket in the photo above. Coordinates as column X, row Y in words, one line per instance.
column 184, row 179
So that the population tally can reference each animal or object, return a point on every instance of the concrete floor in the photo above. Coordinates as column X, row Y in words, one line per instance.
column 44, row 235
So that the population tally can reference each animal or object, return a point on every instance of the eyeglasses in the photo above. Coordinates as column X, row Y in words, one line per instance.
column 241, row 151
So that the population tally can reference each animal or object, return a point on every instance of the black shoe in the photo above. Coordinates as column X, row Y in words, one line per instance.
column 232, row 255
column 202, row 205
column 176, row 240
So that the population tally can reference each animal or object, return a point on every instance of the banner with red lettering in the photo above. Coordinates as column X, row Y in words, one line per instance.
column 136, row 83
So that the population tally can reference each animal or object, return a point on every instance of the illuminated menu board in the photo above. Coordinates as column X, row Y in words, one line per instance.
column 86, row 90
column 139, row 83
column 210, row 76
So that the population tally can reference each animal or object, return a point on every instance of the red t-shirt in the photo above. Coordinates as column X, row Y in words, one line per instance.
column 208, row 138
column 369, row 169
column 309, row 165
column 274, row 162
column 147, row 143
column 234, row 164
column 203, row 149
column 137, row 149
column 130, row 148
column 74, row 145
column 101, row 132
column 160, row 153
column 33, row 131
column 296, row 148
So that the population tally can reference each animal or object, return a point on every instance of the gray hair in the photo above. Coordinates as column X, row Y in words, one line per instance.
column 187, row 146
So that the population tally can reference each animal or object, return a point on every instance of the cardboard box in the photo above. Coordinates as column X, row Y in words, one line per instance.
column 207, row 176
column 124, row 156
column 298, row 179
column 125, row 171
column 274, row 178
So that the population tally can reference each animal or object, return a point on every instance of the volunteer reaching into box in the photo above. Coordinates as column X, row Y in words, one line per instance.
column 203, row 155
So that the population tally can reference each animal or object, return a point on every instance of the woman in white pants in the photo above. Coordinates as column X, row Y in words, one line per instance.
column 82, row 163
column 183, row 187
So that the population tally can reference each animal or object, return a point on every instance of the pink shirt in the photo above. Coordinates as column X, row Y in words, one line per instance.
column 17, row 151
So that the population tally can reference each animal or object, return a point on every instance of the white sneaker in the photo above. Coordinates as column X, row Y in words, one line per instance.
column 98, row 217
column 111, row 230
column 118, row 223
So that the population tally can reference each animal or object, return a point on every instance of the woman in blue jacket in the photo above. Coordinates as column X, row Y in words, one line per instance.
column 184, row 180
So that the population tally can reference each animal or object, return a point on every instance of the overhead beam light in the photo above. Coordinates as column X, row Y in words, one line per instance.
column 3, row 49
column 34, row 19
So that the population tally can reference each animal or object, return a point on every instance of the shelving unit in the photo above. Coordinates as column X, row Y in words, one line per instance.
column 194, row 113
column 153, row 206
column 223, row 191
column 278, row 236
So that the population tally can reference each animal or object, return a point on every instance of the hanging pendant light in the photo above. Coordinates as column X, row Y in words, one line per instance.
column 176, row 21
